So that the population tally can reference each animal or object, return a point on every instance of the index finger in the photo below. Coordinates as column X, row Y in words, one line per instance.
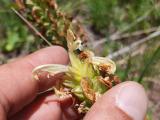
column 17, row 88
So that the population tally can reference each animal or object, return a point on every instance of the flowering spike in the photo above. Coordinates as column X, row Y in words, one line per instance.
column 87, row 77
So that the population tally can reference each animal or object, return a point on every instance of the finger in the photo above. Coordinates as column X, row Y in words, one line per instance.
column 48, row 107
column 126, row 101
column 44, row 108
column 17, row 88
column 70, row 114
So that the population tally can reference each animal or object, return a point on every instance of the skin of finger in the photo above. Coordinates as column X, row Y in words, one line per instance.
column 17, row 88
column 71, row 114
column 46, row 107
column 106, row 109
column 47, row 81
column 2, row 113
column 41, row 108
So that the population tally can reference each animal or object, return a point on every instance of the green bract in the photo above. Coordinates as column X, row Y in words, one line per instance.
column 83, row 78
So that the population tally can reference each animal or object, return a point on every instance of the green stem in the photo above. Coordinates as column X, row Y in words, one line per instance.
column 150, row 61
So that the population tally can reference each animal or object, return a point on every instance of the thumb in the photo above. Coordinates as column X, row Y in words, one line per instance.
column 126, row 101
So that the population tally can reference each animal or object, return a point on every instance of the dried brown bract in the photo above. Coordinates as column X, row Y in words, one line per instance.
column 88, row 91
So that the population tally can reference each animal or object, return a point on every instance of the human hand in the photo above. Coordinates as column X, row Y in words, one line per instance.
column 19, row 99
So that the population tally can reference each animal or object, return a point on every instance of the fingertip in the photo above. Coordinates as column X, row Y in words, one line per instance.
column 60, row 51
column 53, row 54
column 132, row 99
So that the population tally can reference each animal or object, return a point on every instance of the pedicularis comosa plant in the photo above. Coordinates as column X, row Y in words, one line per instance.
column 87, row 77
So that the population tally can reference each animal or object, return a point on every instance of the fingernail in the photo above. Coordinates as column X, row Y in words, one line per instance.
column 132, row 100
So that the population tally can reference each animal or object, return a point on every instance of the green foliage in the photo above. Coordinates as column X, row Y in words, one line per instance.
column 149, row 62
column 14, row 34
column 139, row 67
column 111, row 46
column 100, row 11
column 113, row 15
column 127, row 69
column 149, row 115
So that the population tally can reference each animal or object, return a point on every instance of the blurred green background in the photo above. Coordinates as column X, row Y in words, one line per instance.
column 125, row 30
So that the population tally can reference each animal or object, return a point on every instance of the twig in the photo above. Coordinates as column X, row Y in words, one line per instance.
column 139, row 50
column 133, row 34
column 137, row 33
column 116, row 35
column 31, row 26
column 134, row 45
